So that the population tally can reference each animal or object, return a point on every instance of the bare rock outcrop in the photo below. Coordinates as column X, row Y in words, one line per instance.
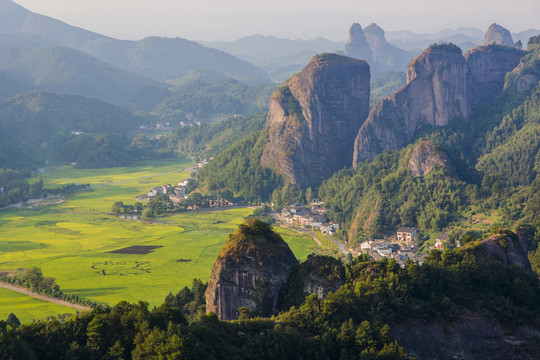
column 498, row 35
column 358, row 47
column 470, row 337
column 314, row 118
column 249, row 272
column 489, row 66
column 504, row 247
column 438, row 89
column 426, row 156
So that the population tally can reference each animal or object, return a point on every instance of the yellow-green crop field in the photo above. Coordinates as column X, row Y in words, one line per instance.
column 72, row 241
column 27, row 308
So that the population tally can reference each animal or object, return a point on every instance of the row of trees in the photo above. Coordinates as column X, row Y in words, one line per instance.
column 34, row 280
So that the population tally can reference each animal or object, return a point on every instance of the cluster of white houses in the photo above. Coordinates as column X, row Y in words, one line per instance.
column 176, row 193
column 314, row 216
column 404, row 248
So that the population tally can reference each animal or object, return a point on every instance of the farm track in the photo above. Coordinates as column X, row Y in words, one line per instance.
column 43, row 297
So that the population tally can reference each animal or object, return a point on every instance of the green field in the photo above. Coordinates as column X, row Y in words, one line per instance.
column 72, row 241
column 26, row 308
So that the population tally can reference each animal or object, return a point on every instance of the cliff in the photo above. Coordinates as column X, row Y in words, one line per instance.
column 249, row 272
column 438, row 89
column 426, row 156
column 441, row 85
column 358, row 47
column 504, row 247
column 498, row 35
column 470, row 337
column 489, row 66
column 314, row 118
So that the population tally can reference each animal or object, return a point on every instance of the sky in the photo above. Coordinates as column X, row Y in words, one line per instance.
column 303, row 19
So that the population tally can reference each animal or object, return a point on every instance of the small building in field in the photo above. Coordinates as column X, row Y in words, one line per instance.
column 407, row 234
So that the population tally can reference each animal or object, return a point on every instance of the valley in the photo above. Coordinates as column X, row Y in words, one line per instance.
column 79, row 242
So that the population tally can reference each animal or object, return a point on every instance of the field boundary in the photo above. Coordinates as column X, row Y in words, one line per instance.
column 25, row 291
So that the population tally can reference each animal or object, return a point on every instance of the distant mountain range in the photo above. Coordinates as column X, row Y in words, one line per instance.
column 154, row 57
column 466, row 38
column 279, row 57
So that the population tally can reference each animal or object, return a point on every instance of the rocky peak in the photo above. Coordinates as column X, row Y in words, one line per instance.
column 426, row 156
column 505, row 247
column 375, row 36
column 489, row 66
column 498, row 35
column 437, row 90
column 314, row 117
column 358, row 46
column 249, row 272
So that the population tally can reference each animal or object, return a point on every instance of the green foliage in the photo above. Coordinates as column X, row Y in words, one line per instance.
column 291, row 105
column 13, row 321
column 386, row 85
column 34, row 280
column 238, row 169
column 351, row 323
column 207, row 140
column 448, row 47
column 206, row 101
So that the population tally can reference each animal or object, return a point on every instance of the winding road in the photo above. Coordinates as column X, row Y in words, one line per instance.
column 25, row 291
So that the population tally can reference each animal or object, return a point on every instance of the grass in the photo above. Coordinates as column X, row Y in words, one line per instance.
column 71, row 241
column 27, row 308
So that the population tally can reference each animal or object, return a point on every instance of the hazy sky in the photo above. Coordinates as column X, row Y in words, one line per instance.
column 231, row 19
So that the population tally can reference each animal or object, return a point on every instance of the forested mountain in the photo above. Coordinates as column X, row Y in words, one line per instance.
column 158, row 58
column 63, row 128
column 66, row 70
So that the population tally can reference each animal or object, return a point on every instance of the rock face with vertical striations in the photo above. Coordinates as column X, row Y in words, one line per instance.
column 438, row 89
column 489, row 66
column 314, row 118
column 249, row 272
column 498, row 35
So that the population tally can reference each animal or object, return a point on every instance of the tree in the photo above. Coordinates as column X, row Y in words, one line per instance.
column 13, row 321
column 118, row 207
column 148, row 213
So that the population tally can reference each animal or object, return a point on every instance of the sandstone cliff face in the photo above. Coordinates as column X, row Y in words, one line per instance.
column 471, row 337
column 506, row 248
column 314, row 118
column 249, row 272
column 438, row 89
column 424, row 157
column 489, row 66
column 498, row 35
column 358, row 47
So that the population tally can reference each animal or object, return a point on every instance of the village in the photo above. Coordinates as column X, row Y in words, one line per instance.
column 400, row 246
column 179, row 194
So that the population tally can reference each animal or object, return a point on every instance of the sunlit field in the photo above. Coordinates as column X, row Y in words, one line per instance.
column 74, row 241
column 26, row 308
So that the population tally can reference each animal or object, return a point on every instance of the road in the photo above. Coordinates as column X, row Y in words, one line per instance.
column 43, row 297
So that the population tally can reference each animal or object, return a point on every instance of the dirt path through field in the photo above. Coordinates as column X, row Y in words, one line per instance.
column 44, row 298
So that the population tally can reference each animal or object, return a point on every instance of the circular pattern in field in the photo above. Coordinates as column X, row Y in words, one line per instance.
column 122, row 268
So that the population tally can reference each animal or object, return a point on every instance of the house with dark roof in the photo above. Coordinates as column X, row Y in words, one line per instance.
column 407, row 234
